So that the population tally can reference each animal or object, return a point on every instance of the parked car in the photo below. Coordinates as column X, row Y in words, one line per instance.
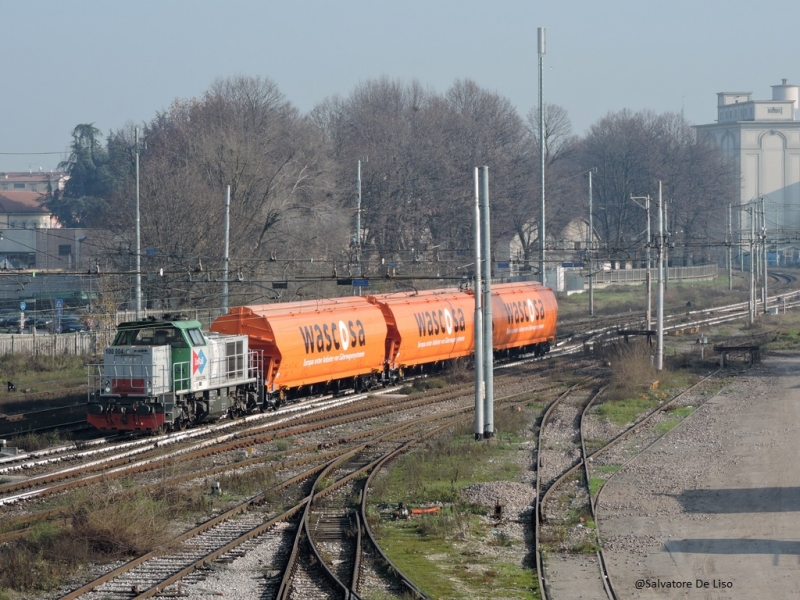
column 44, row 322
column 7, row 316
column 68, row 325
column 12, row 323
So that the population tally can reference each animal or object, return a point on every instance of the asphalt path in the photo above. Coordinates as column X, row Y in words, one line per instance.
column 712, row 511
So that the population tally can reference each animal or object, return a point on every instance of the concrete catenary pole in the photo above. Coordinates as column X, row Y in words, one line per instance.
column 660, row 316
column 649, row 275
column 226, row 258
column 589, row 248
column 138, row 235
column 648, row 279
column 666, row 246
column 479, row 386
column 488, row 352
column 358, row 221
column 764, row 237
column 730, row 244
column 542, row 231
column 751, row 308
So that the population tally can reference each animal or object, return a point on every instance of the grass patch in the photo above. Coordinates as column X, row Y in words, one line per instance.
column 620, row 298
column 39, row 441
column 611, row 469
column 623, row 412
column 676, row 415
column 443, row 569
column 43, row 372
column 595, row 483
column 444, row 552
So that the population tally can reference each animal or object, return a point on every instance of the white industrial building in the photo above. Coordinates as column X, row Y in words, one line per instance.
column 762, row 138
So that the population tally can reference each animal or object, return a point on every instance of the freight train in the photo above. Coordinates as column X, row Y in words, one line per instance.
column 166, row 374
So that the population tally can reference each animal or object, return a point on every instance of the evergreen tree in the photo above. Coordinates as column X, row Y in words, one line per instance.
column 84, row 198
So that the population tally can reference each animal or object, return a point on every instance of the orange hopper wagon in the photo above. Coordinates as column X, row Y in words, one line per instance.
column 314, row 345
column 524, row 317
column 427, row 327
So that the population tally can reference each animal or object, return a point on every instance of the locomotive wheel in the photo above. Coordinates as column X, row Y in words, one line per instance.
column 181, row 425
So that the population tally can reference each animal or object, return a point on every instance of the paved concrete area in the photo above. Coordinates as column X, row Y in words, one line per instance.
column 574, row 577
column 713, row 510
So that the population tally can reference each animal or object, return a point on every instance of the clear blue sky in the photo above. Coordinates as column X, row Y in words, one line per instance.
column 107, row 63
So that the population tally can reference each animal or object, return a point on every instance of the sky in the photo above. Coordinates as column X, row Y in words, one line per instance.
column 112, row 63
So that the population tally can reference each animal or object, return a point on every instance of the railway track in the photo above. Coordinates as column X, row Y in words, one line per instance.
column 570, row 495
column 350, row 521
column 315, row 545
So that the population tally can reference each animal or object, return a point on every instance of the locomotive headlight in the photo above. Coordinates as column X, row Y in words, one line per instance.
column 149, row 387
column 107, row 386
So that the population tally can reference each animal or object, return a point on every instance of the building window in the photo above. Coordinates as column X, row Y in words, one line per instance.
column 64, row 249
column 19, row 186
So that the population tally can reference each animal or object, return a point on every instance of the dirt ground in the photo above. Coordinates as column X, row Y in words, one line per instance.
column 713, row 510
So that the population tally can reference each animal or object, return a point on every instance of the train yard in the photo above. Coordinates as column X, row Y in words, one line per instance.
column 305, row 530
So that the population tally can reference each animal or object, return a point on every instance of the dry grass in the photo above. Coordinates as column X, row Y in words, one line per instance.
column 631, row 368
column 105, row 526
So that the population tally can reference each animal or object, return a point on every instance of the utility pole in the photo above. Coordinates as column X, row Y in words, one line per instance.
column 660, row 318
column 488, row 352
column 542, row 236
column 666, row 244
column 480, row 390
column 358, row 221
column 764, row 238
column 648, row 275
column 226, row 258
column 589, row 248
column 751, row 309
column 138, row 236
column 730, row 243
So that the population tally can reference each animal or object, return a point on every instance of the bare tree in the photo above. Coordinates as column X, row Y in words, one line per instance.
column 632, row 152
column 241, row 133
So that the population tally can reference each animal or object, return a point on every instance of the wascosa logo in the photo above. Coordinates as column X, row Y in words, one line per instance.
column 434, row 322
column 524, row 311
column 339, row 336
column 199, row 362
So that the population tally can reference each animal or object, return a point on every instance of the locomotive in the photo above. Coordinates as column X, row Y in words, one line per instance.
column 161, row 375
column 166, row 374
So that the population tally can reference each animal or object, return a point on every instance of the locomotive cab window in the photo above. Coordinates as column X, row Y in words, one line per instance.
column 196, row 336
column 150, row 336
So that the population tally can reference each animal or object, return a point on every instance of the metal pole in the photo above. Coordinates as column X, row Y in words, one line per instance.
column 764, row 237
column 751, row 309
column 226, row 259
column 542, row 232
column 757, row 244
column 488, row 353
column 480, row 390
column 649, row 275
column 589, row 248
column 660, row 317
column 358, row 221
column 666, row 246
column 138, row 237
column 730, row 243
